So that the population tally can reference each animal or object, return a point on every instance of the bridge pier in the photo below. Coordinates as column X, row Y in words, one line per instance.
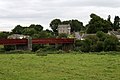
column 29, row 43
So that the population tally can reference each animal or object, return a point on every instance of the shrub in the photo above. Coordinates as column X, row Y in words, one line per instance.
column 9, row 47
column 85, row 47
column 101, row 35
column 78, row 43
column 41, row 53
column 36, row 47
column 63, row 35
column 99, row 46
column 18, row 52
column 60, row 52
column 110, row 43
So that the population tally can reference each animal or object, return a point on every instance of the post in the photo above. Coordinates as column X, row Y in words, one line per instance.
column 29, row 43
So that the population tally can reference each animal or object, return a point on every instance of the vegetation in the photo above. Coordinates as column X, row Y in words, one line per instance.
column 116, row 24
column 75, row 25
column 94, row 43
column 97, row 43
column 59, row 67
column 98, row 24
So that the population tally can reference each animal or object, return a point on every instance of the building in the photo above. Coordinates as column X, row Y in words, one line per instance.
column 64, row 29
column 115, row 33
column 22, row 47
column 82, row 36
column 18, row 36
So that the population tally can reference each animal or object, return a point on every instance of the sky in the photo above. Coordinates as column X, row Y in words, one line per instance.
column 26, row 12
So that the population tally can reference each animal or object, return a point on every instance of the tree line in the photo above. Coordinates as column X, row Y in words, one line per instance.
column 97, row 25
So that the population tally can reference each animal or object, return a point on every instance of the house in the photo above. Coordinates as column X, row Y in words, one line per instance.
column 18, row 36
column 22, row 46
column 115, row 33
column 64, row 29
column 82, row 36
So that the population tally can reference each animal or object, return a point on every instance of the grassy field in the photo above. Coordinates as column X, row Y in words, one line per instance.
column 59, row 67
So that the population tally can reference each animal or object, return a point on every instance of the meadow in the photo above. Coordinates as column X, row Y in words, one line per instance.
column 59, row 67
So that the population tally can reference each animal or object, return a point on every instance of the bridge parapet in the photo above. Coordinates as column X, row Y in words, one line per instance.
column 36, row 41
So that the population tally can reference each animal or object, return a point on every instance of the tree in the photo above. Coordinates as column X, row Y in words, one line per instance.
column 109, row 20
column 18, row 29
column 101, row 35
column 36, row 27
column 98, row 24
column 76, row 26
column 110, row 43
column 116, row 24
column 4, row 35
column 29, row 31
column 54, row 25
column 109, row 17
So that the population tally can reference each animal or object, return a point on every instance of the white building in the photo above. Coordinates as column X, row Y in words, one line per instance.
column 64, row 29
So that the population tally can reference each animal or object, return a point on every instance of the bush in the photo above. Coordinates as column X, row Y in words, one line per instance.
column 85, row 47
column 110, row 43
column 60, row 52
column 36, row 47
column 63, row 35
column 42, row 52
column 77, row 49
column 99, row 46
column 18, row 52
column 101, row 35
column 78, row 42
column 9, row 47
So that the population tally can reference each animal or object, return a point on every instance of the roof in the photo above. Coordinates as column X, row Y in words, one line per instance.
column 85, row 35
column 18, row 36
column 114, row 32
column 64, row 25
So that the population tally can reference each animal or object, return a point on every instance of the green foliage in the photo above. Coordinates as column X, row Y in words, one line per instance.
column 86, row 45
column 76, row 25
column 35, row 31
column 78, row 42
column 38, row 28
column 116, row 24
column 92, row 38
column 18, row 52
column 60, row 67
column 4, row 35
column 41, row 53
column 83, row 46
column 9, row 47
column 98, row 24
column 36, row 47
column 99, row 46
column 18, row 29
column 54, row 25
column 97, row 43
column 101, row 35
column 63, row 35
column 29, row 31
column 110, row 43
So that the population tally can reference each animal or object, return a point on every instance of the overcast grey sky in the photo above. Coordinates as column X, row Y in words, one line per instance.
column 26, row 12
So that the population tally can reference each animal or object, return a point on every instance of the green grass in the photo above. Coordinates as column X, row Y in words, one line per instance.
column 59, row 67
column 1, row 46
